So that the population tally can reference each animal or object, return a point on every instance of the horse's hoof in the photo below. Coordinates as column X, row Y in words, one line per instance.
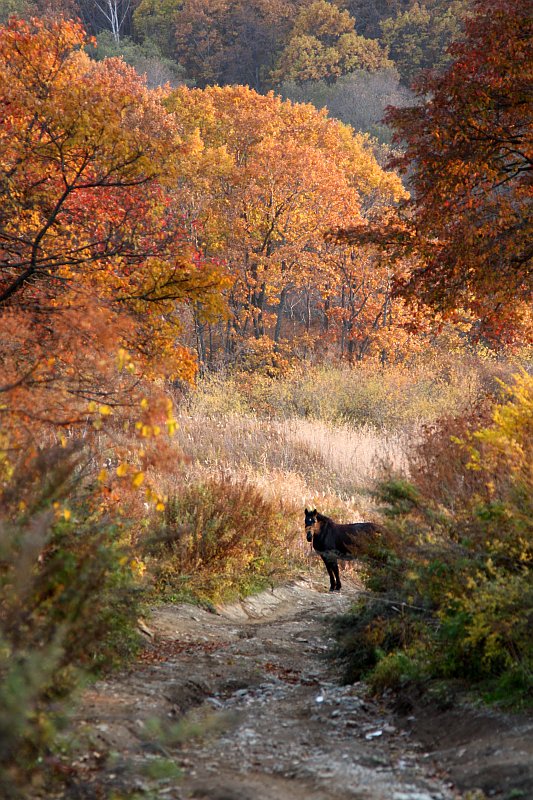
column 337, row 589
column 332, row 589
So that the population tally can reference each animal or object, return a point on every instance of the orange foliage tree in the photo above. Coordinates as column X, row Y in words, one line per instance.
column 268, row 177
column 94, row 263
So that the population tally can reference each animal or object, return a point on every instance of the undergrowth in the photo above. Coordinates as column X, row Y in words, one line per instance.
column 454, row 601
column 69, row 602
column 220, row 539
column 382, row 397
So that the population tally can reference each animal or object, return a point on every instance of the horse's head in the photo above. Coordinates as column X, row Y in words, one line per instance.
column 310, row 522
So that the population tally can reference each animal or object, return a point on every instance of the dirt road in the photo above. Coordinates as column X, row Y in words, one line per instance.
column 242, row 705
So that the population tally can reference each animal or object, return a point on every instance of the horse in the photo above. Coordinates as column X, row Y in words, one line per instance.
column 332, row 541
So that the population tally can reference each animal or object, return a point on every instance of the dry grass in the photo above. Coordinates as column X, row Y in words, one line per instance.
column 298, row 447
column 292, row 463
column 311, row 457
column 393, row 398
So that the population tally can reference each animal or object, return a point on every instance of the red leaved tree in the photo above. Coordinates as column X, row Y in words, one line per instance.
column 467, row 151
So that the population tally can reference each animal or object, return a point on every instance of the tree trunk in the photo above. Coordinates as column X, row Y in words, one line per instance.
column 279, row 313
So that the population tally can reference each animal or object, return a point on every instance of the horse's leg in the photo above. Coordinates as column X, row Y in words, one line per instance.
column 331, row 573
column 335, row 570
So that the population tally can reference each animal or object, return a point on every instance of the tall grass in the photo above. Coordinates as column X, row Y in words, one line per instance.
column 319, row 437
column 243, row 480
column 340, row 458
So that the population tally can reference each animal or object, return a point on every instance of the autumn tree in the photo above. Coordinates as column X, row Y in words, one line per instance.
column 359, row 99
column 323, row 44
column 369, row 15
column 34, row 8
column 267, row 179
column 220, row 42
column 468, row 154
column 418, row 38
column 155, row 20
column 93, row 260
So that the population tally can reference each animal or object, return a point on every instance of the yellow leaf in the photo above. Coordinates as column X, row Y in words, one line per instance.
column 66, row 514
column 171, row 426
column 137, row 479
column 122, row 470
column 144, row 403
column 137, row 567
column 123, row 358
column 105, row 410
column 102, row 475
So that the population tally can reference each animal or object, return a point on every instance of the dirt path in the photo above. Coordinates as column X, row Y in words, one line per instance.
column 246, row 706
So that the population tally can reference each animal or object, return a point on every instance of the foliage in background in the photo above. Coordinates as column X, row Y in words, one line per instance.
column 358, row 99
column 146, row 58
column 258, row 42
column 323, row 45
column 418, row 38
column 268, row 178
column 457, row 596
column 390, row 398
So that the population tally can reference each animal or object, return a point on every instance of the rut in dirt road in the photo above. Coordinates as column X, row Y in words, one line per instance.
column 276, row 722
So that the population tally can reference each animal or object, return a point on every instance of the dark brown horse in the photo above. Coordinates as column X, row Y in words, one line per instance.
column 332, row 541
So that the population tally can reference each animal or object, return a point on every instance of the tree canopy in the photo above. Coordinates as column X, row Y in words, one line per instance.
column 93, row 260
column 467, row 152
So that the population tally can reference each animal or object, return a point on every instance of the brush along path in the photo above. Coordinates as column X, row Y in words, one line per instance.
column 259, row 711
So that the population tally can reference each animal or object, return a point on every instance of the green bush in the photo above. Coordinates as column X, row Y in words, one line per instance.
column 460, row 555
column 68, row 607
column 370, row 631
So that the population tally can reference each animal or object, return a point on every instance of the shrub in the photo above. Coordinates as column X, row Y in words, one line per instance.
column 394, row 671
column 372, row 630
column 221, row 538
column 68, row 606
column 461, row 527
column 392, row 397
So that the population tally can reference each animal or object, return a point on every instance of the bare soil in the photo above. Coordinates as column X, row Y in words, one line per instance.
column 242, row 704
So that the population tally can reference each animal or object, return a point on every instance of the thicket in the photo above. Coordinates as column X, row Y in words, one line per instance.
column 384, row 398
column 455, row 600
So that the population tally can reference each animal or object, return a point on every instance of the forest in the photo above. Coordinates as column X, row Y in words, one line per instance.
column 255, row 257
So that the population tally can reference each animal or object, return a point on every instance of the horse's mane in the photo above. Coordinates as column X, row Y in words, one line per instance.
column 323, row 518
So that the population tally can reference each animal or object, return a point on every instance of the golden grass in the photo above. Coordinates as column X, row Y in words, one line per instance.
column 249, row 431
column 314, row 457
